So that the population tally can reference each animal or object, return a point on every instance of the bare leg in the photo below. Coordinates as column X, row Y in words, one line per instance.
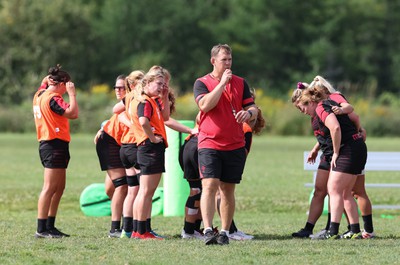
column 143, row 201
column 320, row 192
column 109, row 186
column 207, row 201
column 53, row 188
column 119, row 194
column 227, row 193
column 361, row 195
column 339, row 188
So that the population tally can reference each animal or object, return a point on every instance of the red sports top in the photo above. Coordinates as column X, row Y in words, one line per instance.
column 218, row 128
column 156, row 121
column 339, row 98
column 49, row 125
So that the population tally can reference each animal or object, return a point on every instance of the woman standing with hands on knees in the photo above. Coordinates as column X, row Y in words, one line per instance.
column 51, row 115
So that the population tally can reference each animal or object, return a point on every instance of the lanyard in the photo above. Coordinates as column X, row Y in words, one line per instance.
column 229, row 97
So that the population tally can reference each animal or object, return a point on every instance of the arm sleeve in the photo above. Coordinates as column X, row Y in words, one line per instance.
column 145, row 110
column 247, row 98
column 58, row 105
column 339, row 98
column 324, row 109
column 199, row 90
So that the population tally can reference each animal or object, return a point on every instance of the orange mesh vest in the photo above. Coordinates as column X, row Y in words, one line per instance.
column 114, row 128
column 49, row 125
column 246, row 128
column 156, row 121
column 128, row 137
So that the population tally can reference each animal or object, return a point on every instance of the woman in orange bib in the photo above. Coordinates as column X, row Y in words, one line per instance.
column 51, row 114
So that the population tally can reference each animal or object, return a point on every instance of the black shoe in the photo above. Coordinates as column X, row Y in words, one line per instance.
column 116, row 233
column 222, row 239
column 57, row 233
column 210, row 238
column 302, row 233
column 44, row 234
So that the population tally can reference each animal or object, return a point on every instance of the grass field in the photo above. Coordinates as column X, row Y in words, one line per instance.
column 271, row 204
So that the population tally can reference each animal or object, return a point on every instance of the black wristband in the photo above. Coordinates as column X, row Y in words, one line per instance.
column 251, row 113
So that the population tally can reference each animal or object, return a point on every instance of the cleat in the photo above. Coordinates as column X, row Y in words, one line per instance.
column 44, row 234
column 135, row 235
column 367, row 235
column 115, row 234
column 351, row 235
column 320, row 233
column 215, row 229
column 148, row 235
column 156, row 235
column 195, row 235
column 210, row 238
column 222, row 239
column 239, row 235
column 327, row 235
column 302, row 233
column 57, row 233
column 125, row 234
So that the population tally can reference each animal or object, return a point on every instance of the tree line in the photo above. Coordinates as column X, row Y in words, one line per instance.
column 352, row 43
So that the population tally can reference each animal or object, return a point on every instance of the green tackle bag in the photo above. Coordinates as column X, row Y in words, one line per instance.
column 94, row 200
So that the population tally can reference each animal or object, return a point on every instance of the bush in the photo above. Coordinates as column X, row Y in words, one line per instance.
column 289, row 121
column 280, row 115
column 17, row 119
column 382, row 121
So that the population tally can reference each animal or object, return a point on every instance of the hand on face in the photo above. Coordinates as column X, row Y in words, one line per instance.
column 70, row 88
column 155, row 87
column 165, row 90
column 226, row 76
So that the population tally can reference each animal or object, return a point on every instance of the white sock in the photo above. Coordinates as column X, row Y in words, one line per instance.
column 226, row 232
column 207, row 229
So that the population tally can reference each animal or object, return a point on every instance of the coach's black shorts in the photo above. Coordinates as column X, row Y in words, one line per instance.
column 128, row 154
column 352, row 157
column 108, row 152
column 227, row 166
column 54, row 153
column 190, row 160
column 151, row 157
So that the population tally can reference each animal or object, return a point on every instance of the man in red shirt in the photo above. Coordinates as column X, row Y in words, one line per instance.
column 225, row 102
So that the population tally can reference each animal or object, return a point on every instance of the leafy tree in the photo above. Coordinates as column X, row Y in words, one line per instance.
column 37, row 35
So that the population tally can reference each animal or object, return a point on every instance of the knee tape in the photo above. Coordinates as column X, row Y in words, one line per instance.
column 192, row 204
column 119, row 181
column 195, row 184
column 132, row 180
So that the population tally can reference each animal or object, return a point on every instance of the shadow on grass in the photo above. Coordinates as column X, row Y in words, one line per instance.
column 289, row 237
column 272, row 237
column 264, row 237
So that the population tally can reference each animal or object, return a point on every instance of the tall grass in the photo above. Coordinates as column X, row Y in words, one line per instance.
column 271, row 204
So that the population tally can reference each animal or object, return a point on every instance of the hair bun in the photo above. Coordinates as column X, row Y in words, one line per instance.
column 54, row 70
column 58, row 75
column 300, row 85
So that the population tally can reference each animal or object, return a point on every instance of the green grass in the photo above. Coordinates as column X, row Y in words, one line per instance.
column 271, row 204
